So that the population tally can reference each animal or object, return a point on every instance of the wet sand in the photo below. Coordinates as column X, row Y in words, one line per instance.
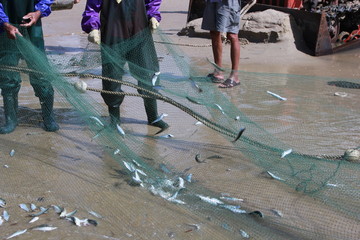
column 70, row 169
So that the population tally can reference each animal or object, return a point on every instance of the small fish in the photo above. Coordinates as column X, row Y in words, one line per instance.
column 237, row 118
column 212, row 201
column 239, row 134
column 97, row 120
column 286, row 153
column 24, row 207
column 129, row 166
column 188, row 177
column 196, row 86
column 220, row 108
column 167, row 136
column 234, row 209
column 6, row 166
column 274, row 176
column 70, row 214
column 120, row 130
column 136, row 163
column 1, row 221
column 197, row 158
column 181, row 183
column 6, row 216
column 33, row 207
column 154, row 78
column 75, row 220
column 214, row 157
column 2, row 203
column 42, row 211
column 231, row 199
column 57, row 208
column 117, row 151
column 95, row 214
column 17, row 233
column 277, row 212
column 195, row 226
column 44, row 228
column 34, row 219
column 12, row 153
column 198, row 123
column 136, row 178
column 256, row 214
column 159, row 118
column 244, row 234
column 277, row 96
column 141, row 172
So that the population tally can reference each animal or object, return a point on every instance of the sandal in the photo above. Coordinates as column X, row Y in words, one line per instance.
column 214, row 78
column 229, row 83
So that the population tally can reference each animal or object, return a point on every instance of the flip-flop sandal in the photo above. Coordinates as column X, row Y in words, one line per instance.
column 215, row 79
column 229, row 83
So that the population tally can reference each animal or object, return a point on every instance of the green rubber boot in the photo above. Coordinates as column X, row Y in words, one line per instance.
column 152, row 114
column 48, row 115
column 114, row 113
column 10, row 111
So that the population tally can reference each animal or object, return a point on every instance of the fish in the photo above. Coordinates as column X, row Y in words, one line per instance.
column 277, row 212
column 154, row 78
column 6, row 166
column 181, row 183
column 198, row 123
column 70, row 214
column 95, row 214
column 274, row 176
column 244, row 234
column 277, row 96
column 234, row 209
column 141, row 172
column 42, row 211
column 44, row 228
column 167, row 136
column 117, row 151
column 33, row 207
column 188, row 177
column 212, row 201
column 2, row 203
column 17, row 233
column 1, row 221
column 57, row 209
column 97, row 120
column 129, row 166
column 196, row 86
column 237, row 118
column 6, row 216
column 160, row 118
column 24, row 207
column 34, row 219
column 75, row 220
column 214, row 157
column 286, row 153
column 220, row 108
column 12, row 153
column 136, row 178
column 197, row 158
column 232, row 199
column 120, row 130
column 239, row 134
column 136, row 163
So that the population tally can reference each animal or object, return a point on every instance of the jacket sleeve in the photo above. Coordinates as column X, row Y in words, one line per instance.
column 152, row 9
column 44, row 6
column 90, row 17
column 3, row 18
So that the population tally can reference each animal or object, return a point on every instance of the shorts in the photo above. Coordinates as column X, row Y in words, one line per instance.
column 223, row 16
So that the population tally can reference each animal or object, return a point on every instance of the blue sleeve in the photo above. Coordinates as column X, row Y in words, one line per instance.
column 3, row 18
column 44, row 6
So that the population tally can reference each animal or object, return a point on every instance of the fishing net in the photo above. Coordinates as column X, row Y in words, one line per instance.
column 262, row 162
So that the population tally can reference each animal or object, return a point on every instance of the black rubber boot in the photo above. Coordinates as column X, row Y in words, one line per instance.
column 10, row 114
column 48, row 115
column 152, row 114
column 114, row 113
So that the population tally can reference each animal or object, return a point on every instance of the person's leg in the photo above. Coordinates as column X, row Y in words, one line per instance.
column 217, row 49
column 235, row 56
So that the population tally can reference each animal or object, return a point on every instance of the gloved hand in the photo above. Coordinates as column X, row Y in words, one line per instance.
column 154, row 24
column 94, row 36
column 118, row 1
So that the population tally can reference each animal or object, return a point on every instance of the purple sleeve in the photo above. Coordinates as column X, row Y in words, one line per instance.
column 3, row 18
column 44, row 6
column 152, row 9
column 90, row 17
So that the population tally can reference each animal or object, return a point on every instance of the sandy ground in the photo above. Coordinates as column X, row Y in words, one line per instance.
column 70, row 169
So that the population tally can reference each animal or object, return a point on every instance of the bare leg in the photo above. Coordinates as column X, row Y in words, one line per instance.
column 217, row 51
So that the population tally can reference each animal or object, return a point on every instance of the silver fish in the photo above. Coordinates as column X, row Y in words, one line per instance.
column 188, row 177
column 141, row 172
column 6, row 166
column 42, row 211
column 24, row 207
column 129, row 166
column 34, row 219
column 181, row 183
column 75, row 220
column 120, row 130
column 277, row 212
column 2, row 203
column 70, row 214
column 95, row 214
column 277, row 96
column 198, row 123
column 244, row 234
column 231, row 199
column 17, row 233
column 97, row 120
column 274, row 176
column 154, row 78
column 57, row 209
column 44, row 228
column 178, row 201
column 167, row 136
column 6, row 215
column 33, row 207
column 220, row 108
column 212, row 201
column 196, row 86
column 234, row 209
column 286, row 153
column 136, row 177
column 136, row 163
column 117, row 151
column 1, row 221
column 160, row 118
column 239, row 134
column 12, row 153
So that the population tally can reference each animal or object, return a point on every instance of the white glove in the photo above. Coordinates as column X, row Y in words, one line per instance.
column 154, row 24
column 94, row 36
column 118, row 1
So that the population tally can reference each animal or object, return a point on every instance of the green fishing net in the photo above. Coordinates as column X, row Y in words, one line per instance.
column 264, row 161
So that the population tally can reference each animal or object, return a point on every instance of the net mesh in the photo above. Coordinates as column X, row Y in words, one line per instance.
column 231, row 166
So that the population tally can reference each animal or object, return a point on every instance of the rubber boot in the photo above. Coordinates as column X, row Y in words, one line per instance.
column 48, row 115
column 10, row 114
column 114, row 113
column 152, row 114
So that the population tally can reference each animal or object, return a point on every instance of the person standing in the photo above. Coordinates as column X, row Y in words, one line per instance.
column 24, row 15
column 125, row 27
column 223, row 16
